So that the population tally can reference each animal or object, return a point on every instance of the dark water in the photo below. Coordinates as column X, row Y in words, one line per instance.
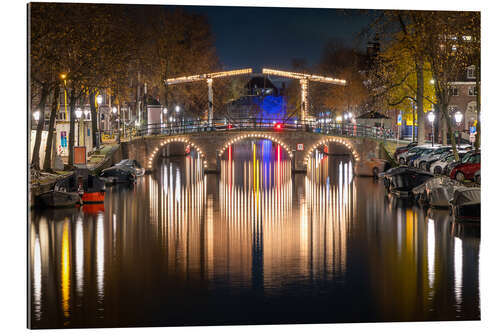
column 254, row 244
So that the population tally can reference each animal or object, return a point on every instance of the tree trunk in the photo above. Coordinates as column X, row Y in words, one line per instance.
column 94, row 116
column 138, row 99
column 35, row 158
column 413, row 124
column 444, row 129
column 71, row 139
column 119, row 122
column 420, row 101
column 447, row 128
column 52, row 121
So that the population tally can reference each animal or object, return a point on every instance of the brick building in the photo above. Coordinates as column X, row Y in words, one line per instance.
column 463, row 99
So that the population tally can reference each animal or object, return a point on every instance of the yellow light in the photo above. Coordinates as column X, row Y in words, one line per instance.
column 208, row 76
column 310, row 77
column 65, row 269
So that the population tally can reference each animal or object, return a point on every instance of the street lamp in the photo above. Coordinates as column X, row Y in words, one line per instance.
column 432, row 81
column 431, row 116
column 177, row 108
column 114, row 109
column 78, row 114
column 99, row 99
column 458, row 119
column 36, row 115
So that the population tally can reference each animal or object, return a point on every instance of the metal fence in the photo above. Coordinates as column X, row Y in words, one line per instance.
column 249, row 124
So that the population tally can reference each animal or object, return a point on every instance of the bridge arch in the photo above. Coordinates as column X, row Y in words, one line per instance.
column 256, row 136
column 155, row 151
column 341, row 141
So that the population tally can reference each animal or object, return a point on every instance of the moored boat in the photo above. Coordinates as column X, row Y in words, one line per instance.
column 56, row 199
column 90, row 187
column 401, row 181
column 119, row 174
column 139, row 171
column 466, row 204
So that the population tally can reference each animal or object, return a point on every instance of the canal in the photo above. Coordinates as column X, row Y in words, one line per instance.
column 254, row 244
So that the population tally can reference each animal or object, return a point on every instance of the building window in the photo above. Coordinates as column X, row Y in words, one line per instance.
column 473, row 91
column 471, row 73
column 453, row 91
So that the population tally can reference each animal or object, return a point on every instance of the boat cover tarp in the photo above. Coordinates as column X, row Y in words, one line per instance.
column 467, row 196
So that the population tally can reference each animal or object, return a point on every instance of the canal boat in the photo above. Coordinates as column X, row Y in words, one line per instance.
column 89, row 187
column 56, row 199
column 435, row 192
column 402, row 180
column 371, row 167
column 466, row 204
column 119, row 174
column 139, row 171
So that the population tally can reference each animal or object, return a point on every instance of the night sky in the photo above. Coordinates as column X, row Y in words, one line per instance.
column 257, row 37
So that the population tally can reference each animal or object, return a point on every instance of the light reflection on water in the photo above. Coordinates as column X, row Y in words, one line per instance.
column 256, row 244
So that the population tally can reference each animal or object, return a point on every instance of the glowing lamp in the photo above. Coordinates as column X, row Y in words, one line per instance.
column 431, row 116
column 78, row 113
column 99, row 99
column 278, row 125
column 36, row 115
column 458, row 117
column 115, row 109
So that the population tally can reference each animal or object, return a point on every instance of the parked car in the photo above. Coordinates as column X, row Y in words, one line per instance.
column 424, row 151
column 444, row 159
column 433, row 154
column 467, row 168
column 403, row 157
column 403, row 149
column 477, row 176
column 447, row 169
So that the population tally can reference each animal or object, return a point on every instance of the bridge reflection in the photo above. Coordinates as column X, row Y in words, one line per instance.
column 180, row 237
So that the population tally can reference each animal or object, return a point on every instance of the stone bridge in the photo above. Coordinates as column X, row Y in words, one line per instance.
column 211, row 145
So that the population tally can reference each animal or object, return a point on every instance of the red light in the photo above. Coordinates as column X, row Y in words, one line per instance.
column 229, row 126
column 278, row 126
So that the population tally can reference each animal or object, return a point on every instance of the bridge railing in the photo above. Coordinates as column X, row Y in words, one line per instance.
column 222, row 125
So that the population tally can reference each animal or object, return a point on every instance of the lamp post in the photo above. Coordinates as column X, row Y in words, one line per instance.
column 78, row 114
column 99, row 101
column 458, row 119
column 36, row 116
column 164, row 117
column 431, row 116
column 115, row 110
column 63, row 77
